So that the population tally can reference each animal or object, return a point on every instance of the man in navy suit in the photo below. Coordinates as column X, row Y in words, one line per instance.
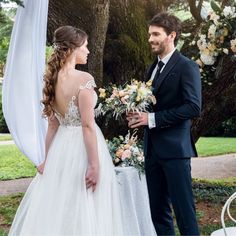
column 168, row 144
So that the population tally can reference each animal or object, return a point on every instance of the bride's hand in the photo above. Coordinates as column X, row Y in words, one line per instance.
column 91, row 177
column 40, row 168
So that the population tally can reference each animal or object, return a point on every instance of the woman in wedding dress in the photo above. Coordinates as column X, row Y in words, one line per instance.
column 75, row 191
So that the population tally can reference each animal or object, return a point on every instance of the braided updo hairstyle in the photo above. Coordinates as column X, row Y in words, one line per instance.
column 66, row 39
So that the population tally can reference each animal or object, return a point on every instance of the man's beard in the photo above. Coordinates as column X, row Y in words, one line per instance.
column 160, row 50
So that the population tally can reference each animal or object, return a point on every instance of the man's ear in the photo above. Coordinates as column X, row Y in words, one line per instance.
column 173, row 34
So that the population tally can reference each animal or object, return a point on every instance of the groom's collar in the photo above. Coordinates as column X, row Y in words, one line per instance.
column 166, row 58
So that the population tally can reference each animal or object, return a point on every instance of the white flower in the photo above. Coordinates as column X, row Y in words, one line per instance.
column 226, row 51
column 135, row 150
column 207, row 59
column 143, row 91
column 132, row 89
column 212, row 32
column 229, row 12
column 201, row 43
column 140, row 158
column 214, row 17
column 233, row 45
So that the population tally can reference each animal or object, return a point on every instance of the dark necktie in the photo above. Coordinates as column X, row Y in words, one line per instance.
column 160, row 65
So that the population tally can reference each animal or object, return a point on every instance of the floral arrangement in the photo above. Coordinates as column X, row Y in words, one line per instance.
column 217, row 37
column 127, row 151
column 136, row 96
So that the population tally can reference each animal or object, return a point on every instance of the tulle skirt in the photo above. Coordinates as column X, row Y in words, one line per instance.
column 58, row 203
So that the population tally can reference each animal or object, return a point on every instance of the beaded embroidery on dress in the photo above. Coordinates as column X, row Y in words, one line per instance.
column 73, row 117
column 57, row 203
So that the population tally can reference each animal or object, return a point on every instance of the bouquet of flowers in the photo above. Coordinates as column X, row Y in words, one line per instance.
column 136, row 96
column 126, row 151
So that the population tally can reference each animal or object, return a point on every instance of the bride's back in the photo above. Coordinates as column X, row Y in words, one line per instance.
column 67, row 86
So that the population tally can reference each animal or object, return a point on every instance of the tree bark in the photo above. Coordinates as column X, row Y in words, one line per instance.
column 89, row 15
column 100, row 10
column 196, row 10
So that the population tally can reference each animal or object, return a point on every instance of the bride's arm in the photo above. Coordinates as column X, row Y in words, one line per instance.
column 53, row 125
column 51, row 131
column 86, row 106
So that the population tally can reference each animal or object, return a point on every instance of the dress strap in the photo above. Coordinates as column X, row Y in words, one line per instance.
column 90, row 84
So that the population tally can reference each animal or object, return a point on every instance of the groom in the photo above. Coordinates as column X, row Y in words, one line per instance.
column 168, row 144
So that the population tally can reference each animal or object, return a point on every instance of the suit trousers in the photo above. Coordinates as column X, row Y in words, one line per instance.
column 169, row 183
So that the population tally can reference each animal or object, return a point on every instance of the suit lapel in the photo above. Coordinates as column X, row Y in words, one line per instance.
column 170, row 64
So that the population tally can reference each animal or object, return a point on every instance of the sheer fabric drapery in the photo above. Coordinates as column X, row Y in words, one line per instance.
column 22, row 84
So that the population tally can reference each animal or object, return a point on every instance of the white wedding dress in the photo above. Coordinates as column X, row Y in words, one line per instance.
column 57, row 202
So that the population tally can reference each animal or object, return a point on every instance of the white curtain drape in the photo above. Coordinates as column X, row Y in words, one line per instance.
column 22, row 84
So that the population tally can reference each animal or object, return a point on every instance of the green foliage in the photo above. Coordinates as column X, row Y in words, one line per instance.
column 8, row 207
column 213, row 192
column 225, row 129
column 18, row 2
column 49, row 51
column 216, row 7
column 3, row 125
column 6, row 25
column 207, row 229
column 230, row 127
column 3, row 232
column 13, row 164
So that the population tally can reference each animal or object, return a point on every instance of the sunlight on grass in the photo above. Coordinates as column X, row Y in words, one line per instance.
column 13, row 164
column 5, row 137
column 222, row 182
column 211, row 146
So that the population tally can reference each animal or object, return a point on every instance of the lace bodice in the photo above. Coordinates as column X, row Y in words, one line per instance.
column 72, row 116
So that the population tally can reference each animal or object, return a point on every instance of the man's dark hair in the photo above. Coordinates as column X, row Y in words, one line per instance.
column 169, row 23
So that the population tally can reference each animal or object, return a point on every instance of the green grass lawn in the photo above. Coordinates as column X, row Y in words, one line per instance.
column 211, row 146
column 8, row 207
column 5, row 137
column 13, row 164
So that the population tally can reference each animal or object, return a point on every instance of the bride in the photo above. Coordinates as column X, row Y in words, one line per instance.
column 75, row 191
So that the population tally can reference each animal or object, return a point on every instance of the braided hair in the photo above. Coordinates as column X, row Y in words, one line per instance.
column 66, row 40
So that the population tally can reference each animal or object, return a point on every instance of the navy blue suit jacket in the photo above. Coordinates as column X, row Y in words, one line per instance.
column 178, row 95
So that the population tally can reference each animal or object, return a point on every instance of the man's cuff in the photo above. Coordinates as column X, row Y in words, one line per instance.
column 151, row 120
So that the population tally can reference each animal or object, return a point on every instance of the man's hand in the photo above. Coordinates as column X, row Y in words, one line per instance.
column 137, row 119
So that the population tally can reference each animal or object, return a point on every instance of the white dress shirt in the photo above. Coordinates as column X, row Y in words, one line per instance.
column 151, row 116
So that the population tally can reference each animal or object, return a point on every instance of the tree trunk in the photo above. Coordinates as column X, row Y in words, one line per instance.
column 89, row 15
column 196, row 10
column 100, row 10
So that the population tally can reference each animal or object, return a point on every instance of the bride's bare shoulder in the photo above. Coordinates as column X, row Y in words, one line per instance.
column 83, row 77
column 84, row 80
